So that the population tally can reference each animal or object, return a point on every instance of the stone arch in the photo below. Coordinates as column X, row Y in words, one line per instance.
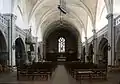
column 71, row 41
column 19, row 51
column 117, row 57
column 66, row 24
column 3, row 50
column 103, row 51
column 90, row 53
column 55, row 26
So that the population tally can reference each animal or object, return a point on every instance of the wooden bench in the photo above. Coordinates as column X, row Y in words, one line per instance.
column 40, row 69
column 92, row 71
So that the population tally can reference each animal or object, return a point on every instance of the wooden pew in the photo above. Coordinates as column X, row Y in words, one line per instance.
column 79, row 70
column 39, row 69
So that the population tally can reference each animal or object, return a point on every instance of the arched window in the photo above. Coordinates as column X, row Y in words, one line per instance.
column 61, row 45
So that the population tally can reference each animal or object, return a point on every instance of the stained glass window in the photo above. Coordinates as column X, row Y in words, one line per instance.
column 61, row 45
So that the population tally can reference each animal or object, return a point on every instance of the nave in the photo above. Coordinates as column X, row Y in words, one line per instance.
column 59, row 76
column 60, row 42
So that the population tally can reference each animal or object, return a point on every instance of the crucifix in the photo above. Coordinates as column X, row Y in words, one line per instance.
column 61, row 7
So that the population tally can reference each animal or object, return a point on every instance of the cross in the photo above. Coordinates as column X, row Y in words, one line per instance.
column 60, row 7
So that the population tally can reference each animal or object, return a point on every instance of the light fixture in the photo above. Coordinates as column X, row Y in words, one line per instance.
column 61, row 9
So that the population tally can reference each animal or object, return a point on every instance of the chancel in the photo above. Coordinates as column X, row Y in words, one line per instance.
column 60, row 41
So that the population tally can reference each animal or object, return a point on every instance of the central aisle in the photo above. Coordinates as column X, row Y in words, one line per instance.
column 60, row 76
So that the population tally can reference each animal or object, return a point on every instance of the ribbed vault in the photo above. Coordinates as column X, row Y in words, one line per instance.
column 44, row 12
column 65, row 25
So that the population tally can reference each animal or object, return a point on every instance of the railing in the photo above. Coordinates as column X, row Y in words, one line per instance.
column 3, row 20
column 117, row 21
column 99, row 33
column 102, row 31
column 105, row 28
column 22, row 32
column 90, row 39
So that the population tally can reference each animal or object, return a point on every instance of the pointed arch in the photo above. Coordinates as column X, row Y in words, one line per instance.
column 19, row 51
column 103, row 51
column 3, row 50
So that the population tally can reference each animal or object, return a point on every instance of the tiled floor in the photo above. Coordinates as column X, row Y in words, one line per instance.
column 60, row 76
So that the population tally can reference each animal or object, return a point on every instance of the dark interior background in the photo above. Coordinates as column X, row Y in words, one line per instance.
column 71, row 42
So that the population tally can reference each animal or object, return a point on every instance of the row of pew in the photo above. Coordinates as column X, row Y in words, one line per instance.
column 4, row 68
column 36, row 71
column 91, row 71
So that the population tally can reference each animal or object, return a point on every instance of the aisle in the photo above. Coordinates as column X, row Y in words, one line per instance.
column 61, row 76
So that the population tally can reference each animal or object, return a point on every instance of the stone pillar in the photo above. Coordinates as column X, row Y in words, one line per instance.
column 111, row 39
column 86, row 49
column 41, row 51
column 95, row 46
column 44, row 51
column 11, row 38
column 26, row 50
column 79, row 49
column 36, row 51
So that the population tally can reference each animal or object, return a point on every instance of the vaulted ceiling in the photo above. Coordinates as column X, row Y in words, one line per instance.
column 44, row 12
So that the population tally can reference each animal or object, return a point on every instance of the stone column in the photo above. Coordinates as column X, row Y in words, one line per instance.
column 44, row 51
column 86, row 49
column 95, row 45
column 26, row 50
column 36, row 51
column 41, row 50
column 11, row 38
column 79, row 49
column 111, row 39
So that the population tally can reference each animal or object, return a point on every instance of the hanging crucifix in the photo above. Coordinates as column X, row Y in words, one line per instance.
column 62, row 7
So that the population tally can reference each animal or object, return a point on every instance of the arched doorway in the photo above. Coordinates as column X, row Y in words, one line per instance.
column 3, row 50
column 103, row 51
column 19, row 51
column 117, row 57
column 90, row 53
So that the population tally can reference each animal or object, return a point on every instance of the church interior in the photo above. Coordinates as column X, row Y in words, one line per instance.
column 60, row 41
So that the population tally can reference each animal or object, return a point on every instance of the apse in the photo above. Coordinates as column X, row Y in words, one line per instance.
column 61, row 41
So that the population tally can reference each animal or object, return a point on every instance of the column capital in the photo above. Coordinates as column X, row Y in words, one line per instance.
column 85, row 38
column 94, row 30
column 109, row 15
column 10, row 16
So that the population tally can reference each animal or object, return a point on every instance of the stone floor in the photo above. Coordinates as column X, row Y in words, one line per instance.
column 60, row 76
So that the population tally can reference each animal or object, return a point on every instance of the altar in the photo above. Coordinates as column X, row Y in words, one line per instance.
column 61, row 57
